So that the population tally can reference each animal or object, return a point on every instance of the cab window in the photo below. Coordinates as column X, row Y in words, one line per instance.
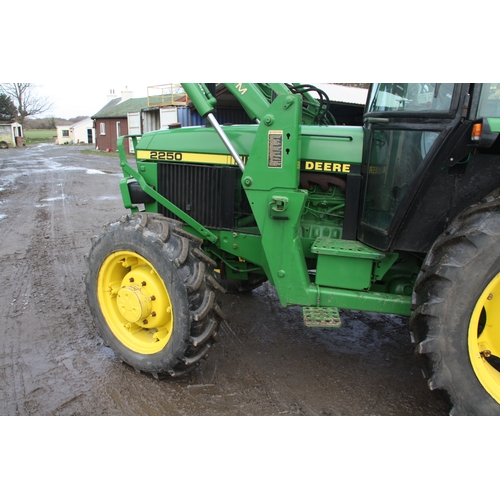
column 410, row 97
column 489, row 102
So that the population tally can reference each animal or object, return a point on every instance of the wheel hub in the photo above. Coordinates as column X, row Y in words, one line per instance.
column 135, row 302
column 484, row 338
column 134, row 305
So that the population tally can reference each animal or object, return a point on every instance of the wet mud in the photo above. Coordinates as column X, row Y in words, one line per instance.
column 53, row 362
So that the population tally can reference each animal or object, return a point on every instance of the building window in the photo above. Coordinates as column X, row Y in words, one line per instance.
column 65, row 133
column 102, row 128
column 118, row 129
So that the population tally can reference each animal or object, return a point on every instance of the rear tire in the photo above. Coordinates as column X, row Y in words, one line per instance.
column 152, row 292
column 456, row 318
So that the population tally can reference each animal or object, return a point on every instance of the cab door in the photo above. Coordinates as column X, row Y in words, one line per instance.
column 406, row 125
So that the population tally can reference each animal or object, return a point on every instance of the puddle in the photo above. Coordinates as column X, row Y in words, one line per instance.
column 102, row 198
column 32, row 162
column 8, row 180
column 56, row 198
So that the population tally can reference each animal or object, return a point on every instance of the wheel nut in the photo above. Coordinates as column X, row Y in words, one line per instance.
column 145, row 322
column 152, row 297
column 131, row 280
column 486, row 353
column 153, row 314
column 490, row 296
column 143, row 283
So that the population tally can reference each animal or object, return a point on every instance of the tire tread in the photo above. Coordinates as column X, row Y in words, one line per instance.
column 196, row 271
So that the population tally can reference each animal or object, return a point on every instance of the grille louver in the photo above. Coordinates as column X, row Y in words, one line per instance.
column 204, row 192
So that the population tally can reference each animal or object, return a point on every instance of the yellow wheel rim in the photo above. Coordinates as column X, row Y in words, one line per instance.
column 484, row 338
column 134, row 302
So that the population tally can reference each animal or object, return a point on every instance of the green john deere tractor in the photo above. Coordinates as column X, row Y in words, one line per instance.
column 399, row 216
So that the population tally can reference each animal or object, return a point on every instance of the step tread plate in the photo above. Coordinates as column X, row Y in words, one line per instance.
column 322, row 317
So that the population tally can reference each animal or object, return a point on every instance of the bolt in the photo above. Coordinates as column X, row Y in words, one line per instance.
column 131, row 280
column 143, row 283
column 288, row 101
column 490, row 296
column 486, row 353
column 145, row 322
column 153, row 314
column 268, row 119
column 152, row 297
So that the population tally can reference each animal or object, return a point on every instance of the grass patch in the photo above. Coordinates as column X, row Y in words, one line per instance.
column 34, row 136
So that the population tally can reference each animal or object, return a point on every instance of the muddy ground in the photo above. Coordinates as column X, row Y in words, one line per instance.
column 53, row 362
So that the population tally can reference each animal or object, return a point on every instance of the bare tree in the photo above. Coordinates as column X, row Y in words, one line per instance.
column 26, row 100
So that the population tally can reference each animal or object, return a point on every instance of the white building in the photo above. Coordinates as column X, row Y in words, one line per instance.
column 11, row 135
column 81, row 132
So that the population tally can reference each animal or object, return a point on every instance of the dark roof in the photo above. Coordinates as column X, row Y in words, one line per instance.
column 117, row 109
column 109, row 105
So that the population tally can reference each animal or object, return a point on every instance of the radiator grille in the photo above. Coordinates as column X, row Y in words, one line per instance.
column 204, row 192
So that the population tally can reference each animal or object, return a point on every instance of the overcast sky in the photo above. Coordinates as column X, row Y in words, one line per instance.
column 77, row 59
column 74, row 98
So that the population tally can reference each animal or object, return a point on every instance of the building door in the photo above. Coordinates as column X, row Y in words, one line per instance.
column 134, row 127
column 167, row 116
column 90, row 138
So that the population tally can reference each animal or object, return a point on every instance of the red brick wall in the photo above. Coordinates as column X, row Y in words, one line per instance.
column 108, row 139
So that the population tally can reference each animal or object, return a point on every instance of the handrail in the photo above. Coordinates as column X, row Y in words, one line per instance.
column 170, row 94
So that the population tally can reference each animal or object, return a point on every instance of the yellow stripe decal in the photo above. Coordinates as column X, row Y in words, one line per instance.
column 186, row 157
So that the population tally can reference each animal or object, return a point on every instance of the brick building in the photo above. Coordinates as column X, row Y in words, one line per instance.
column 112, row 121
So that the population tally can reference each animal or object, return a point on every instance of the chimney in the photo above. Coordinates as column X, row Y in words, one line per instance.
column 126, row 94
column 112, row 95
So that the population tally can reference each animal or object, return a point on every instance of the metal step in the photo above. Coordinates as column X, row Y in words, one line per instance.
column 322, row 317
column 345, row 248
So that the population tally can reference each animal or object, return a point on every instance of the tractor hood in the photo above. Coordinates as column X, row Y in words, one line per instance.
column 322, row 147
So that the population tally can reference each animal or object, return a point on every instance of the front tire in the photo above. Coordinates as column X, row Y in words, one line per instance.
column 152, row 293
column 456, row 318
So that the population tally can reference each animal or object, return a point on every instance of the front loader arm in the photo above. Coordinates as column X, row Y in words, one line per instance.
column 251, row 97
column 256, row 98
column 201, row 97
column 253, row 100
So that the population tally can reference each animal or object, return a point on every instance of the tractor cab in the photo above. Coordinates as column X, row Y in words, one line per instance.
column 407, row 125
column 425, row 158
